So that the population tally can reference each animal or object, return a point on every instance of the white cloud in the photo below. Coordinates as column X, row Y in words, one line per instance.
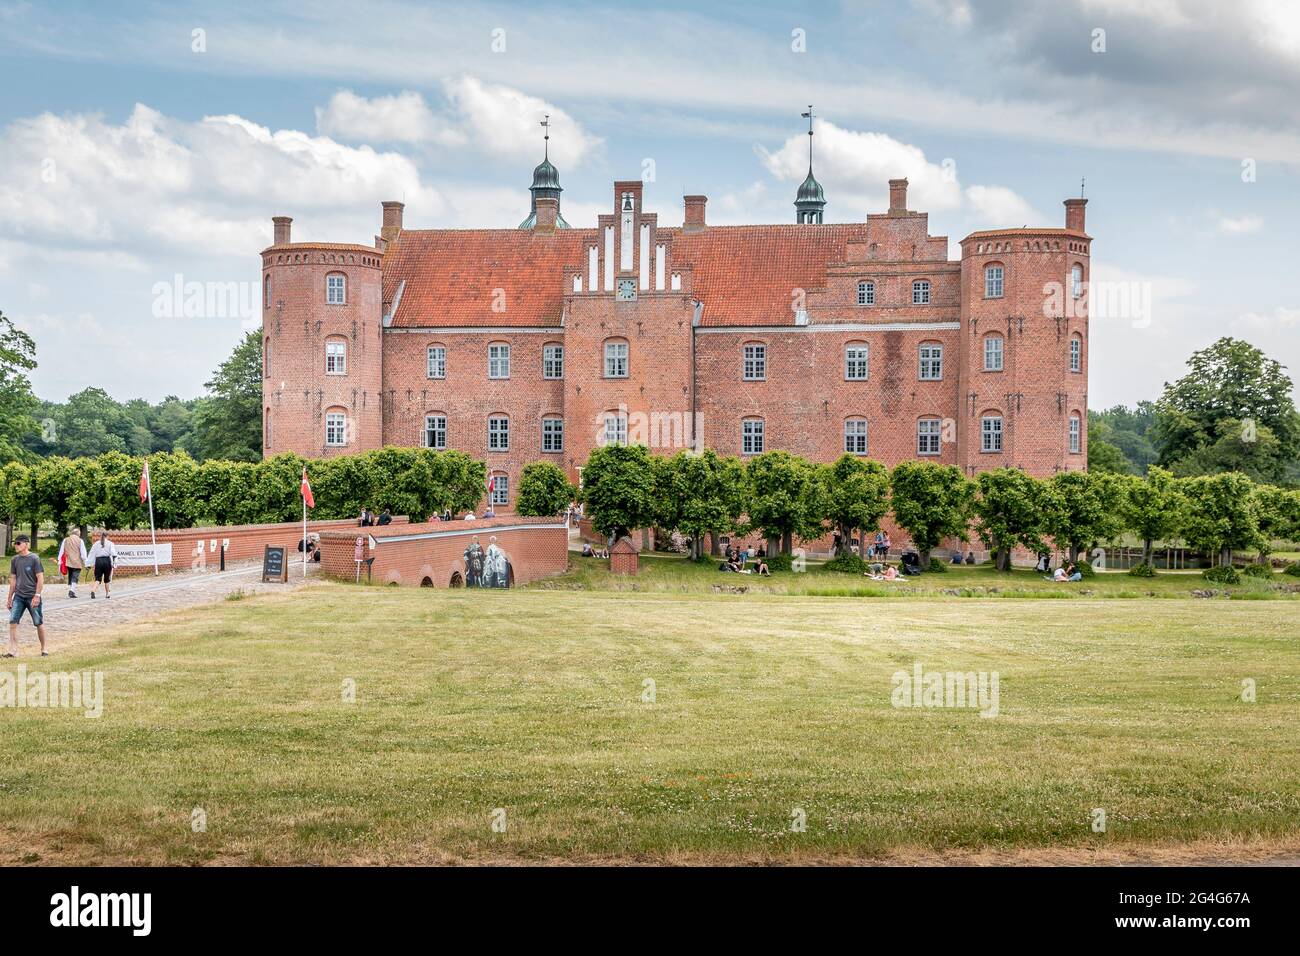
column 1240, row 225
column 492, row 118
column 855, row 169
column 1280, row 318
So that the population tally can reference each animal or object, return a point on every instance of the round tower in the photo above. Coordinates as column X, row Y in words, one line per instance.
column 1024, row 367
column 321, row 349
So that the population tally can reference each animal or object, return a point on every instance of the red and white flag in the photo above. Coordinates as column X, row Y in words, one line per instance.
column 307, row 497
column 145, row 490
column 491, row 483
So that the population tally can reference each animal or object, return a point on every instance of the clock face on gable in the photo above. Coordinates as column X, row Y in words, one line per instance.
column 626, row 290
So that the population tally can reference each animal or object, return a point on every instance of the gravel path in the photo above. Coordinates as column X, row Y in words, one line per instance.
column 144, row 596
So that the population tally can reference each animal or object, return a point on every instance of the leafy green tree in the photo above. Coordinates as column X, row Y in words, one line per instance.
column 1279, row 516
column 1103, row 457
column 228, row 422
column 618, row 488
column 1229, row 381
column 1010, row 509
column 544, row 490
column 1083, row 508
column 17, row 358
column 700, row 495
column 931, row 502
column 1222, row 515
column 1152, row 508
column 1127, row 430
column 856, row 496
column 1243, row 446
column 786, row 498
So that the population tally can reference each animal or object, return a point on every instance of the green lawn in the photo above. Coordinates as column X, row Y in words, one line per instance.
column 531, row 701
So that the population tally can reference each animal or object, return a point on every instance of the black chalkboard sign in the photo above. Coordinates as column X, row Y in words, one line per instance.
column 274, row 565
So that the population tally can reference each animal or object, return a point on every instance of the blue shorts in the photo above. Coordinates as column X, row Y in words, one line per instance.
column 22, row 604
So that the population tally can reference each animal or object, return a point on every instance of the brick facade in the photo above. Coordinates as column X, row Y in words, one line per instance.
column 656, row 324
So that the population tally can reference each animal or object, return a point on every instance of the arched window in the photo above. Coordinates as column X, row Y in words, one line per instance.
column 929, row 434
column 1076, row 433
column 615, row 428
column 266, row 290
column 856, row 367
column 336, row 356
column 436, row 361
column 855, row 436
column 752, row 436
column 993, row 353
column 991, row 433
column 266, row 358
column 553, row 360
column 336, row 289
column 498, row 360
column 616, row 357
column 499, row 490
column 266, row 431
column 755, row 361
column 1076, row 281
column 435, row 430
column 336, row 428
column 866, row 293
column 993, row 280
column 921, row 292
column 930, row 362
column 552, row 433
column 498, row 433
column 1076, row 354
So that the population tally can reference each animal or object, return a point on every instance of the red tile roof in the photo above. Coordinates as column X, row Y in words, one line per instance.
column 744, row 275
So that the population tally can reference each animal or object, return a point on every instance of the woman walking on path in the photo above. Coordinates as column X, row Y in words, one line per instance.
column 103, row 559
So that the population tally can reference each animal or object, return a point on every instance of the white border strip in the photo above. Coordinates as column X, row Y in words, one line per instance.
column 830, row 327
column 467, row 528
column 475, row 329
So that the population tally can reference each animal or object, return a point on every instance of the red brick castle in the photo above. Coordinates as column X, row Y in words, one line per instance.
column 539, row 343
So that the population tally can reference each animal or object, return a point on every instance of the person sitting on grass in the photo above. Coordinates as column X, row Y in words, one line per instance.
column 1073, row 573
column 760, row 567
column 586, row 550
column 1059, row 575
column 891, row 574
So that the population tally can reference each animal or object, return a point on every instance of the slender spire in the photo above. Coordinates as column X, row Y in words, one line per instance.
column 546, row 139
column 810, row 200
column 809, row 117
column 546, row 180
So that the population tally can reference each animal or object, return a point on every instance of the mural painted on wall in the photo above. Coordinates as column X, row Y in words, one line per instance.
column 488, row 568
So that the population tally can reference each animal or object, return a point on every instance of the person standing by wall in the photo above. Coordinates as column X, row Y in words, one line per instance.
column 72, row 556
column 103, row 559
column 26, row 581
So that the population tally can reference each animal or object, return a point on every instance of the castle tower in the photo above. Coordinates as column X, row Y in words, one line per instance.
column 810, row 201
column 321, row 350
column 1023, row 384
column 546, row 183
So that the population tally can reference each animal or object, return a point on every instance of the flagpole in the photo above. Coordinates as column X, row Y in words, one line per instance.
column 304, row 535
column 153, row 534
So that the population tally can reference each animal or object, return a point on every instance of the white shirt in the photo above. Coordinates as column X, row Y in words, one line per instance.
column 63, row 545
column 103, row 549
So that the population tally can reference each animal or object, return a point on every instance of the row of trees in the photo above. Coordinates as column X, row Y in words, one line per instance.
column 104, row 491
column 783, row 496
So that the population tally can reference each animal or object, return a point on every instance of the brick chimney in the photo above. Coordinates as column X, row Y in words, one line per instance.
column 694, row 221
column 1074, row 214
column 548, row 210
column 281, row 225
column 897, row 197
column 392, row 220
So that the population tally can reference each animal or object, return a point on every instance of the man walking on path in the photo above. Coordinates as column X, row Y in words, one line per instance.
column 72, row 557
column 26, row 581
column 103, row 559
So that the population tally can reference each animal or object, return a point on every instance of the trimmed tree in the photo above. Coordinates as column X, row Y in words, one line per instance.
column 1222, row 515
column 1083, row 508
column 856, row 496
column 544, row 490
column 1009, row 510
column 700, row 495
column 931, row 502
column 786, row 498
column 618, row 489
column 1279, row 516
column 1152, row 508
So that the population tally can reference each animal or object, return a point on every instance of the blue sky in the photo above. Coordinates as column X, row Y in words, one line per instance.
column 134, row 149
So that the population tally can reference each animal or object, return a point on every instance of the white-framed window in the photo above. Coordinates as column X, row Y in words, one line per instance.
column 435, row 431
column 751, row 436
column 1076, row 281
column 993, row 353
column 616, row 360
column 336, row 357
column 855, row 363
column 499, row 360
column 266, row 291
column 615, row 429
column 991, row 433
column 930, row 358
column 553, row 361
column 755, row 362
column 336, row 289
column 992, row 282
column 1076, row 354
column 266, row 358
column 553, row 434
column 929, row 432
column 921, row 292
column 436, row 362
column 500, row 490
column 1076, row 434
column 855, row 436
column 336, row 429
column 866, row 293
column 498, row 433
